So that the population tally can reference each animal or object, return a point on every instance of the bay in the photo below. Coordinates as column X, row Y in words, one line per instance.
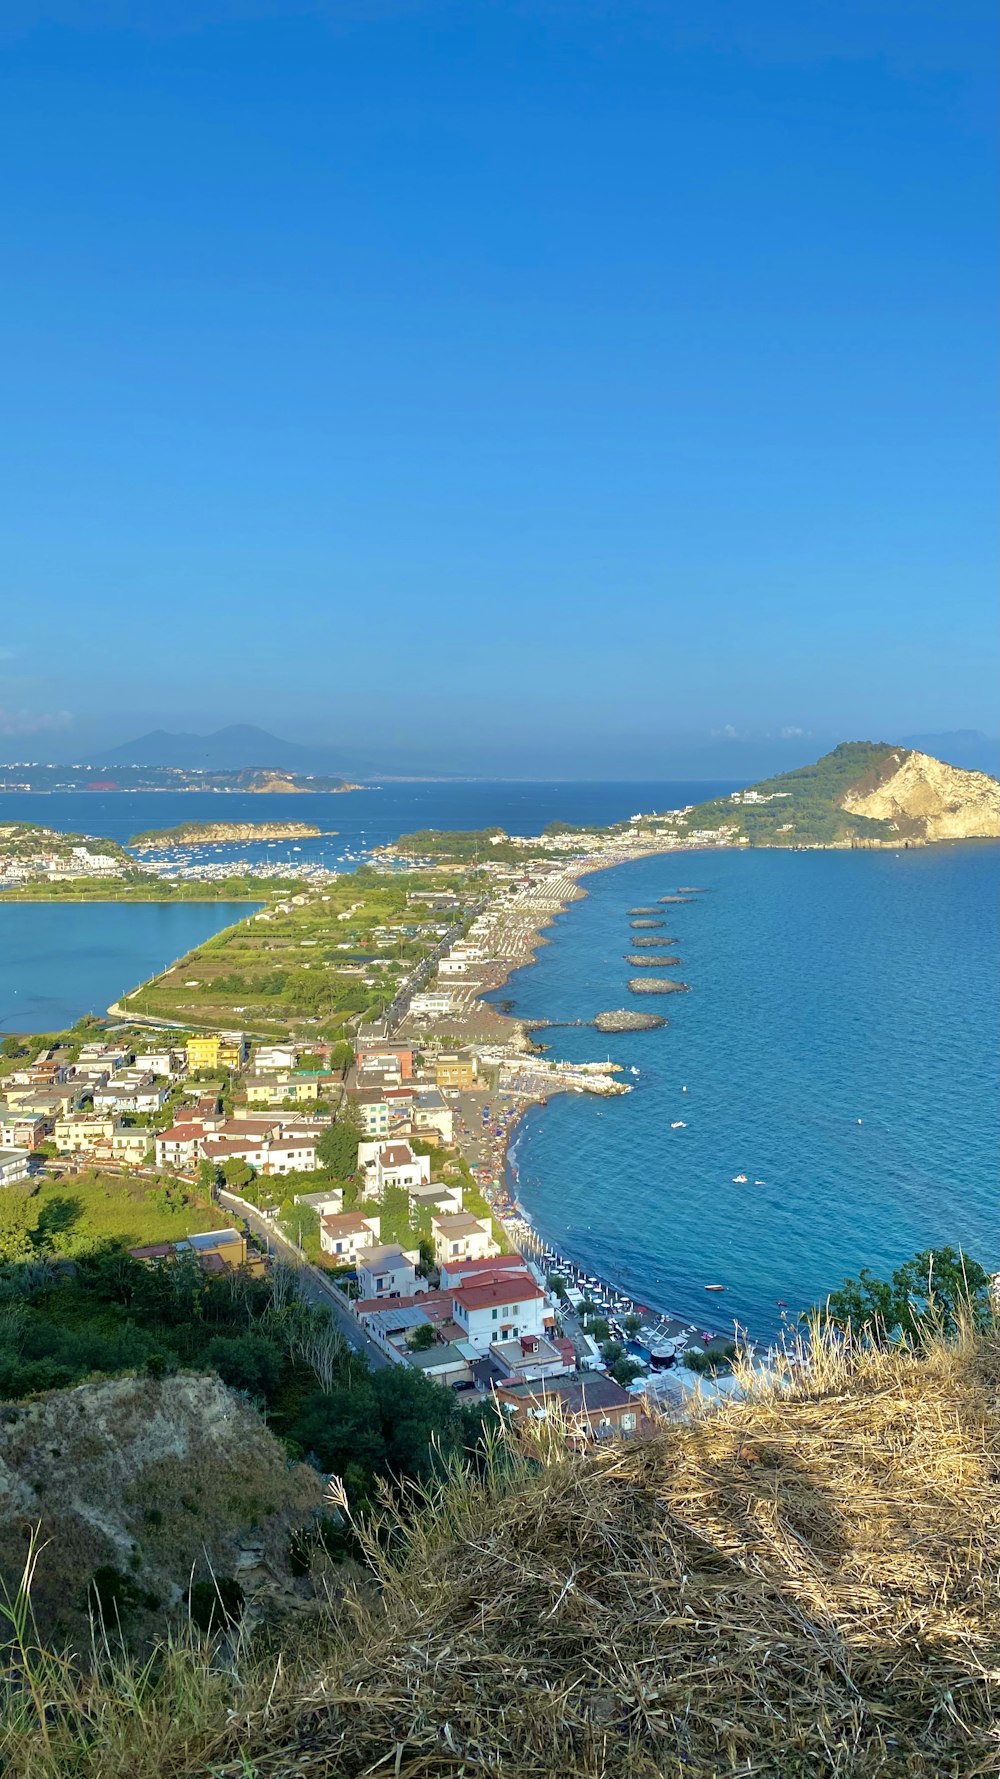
column 839, row 1046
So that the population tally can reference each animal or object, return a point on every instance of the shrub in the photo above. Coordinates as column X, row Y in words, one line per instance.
column 215, row 1605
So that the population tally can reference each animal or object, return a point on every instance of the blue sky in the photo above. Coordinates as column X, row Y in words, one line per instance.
column 577, row 381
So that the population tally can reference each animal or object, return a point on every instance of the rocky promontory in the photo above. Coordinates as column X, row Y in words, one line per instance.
column 657, row 985
column 221, row 833
column 650, row 963
column 624, row 1021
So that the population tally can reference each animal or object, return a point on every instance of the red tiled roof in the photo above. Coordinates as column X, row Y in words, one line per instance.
column 346, row 1223
column 511, row 1290
column 396, row 1155
column 181, row 1133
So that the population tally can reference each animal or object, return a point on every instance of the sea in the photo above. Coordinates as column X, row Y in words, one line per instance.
column 839, row 1045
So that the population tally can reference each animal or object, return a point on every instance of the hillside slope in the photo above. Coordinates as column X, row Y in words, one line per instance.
column 804, row 1585
column 161, row 1481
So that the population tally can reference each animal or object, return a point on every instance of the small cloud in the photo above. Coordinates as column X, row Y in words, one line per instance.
column 727, row 732
column 33, row 722
column 791, row 731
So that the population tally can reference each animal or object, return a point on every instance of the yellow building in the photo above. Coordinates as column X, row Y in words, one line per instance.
column 455, row 1071
column 274, row 1090
column 85, row 1131
column 213, row 1051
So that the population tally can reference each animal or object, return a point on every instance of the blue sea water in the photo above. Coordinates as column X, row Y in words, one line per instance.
column 839, row 1044
column 61, row 960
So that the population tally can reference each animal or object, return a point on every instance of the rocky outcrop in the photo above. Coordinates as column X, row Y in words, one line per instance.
column 926, row 800
column 662, row 899
column 649, row 963
column 621, row 1020
column 656, row 985
column 647, row 923
column 160, row 1480
column 658, row 944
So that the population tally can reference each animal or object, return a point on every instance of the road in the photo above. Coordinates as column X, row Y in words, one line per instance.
column 315, row 1289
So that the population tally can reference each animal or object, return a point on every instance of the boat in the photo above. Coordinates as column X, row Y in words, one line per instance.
column 739, row 1179
column 678, row 1124
column 760, row 1182
column 715, row 1287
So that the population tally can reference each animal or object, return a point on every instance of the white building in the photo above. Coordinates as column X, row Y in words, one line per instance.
column 392, row 1164
column 348, row 1235
column 499, row 1312
column 13, row 1166
column 180, row 1146
column 460, row 1236
column 388, row 1272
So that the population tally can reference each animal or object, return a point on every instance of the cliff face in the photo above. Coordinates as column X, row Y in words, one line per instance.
column 927, row 800
column 165, row 1481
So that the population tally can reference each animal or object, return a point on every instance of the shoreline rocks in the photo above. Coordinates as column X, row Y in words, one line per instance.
column 650, row 963
column 657, row 985
column 622, row 1020
column 647, row 923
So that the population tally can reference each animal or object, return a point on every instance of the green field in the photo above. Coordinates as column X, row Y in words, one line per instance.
column 68, row 1216
column 310, row 962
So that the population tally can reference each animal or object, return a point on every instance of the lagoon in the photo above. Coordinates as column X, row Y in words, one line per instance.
column 60, row 960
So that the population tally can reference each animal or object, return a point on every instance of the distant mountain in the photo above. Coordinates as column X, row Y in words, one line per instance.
column 240, row 747
column 967, row 748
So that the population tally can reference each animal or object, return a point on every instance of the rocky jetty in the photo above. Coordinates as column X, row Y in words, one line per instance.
column 650, row 963
column 623, row 1021
column 656, row 944
column 647, row 923
column 657, row 985
column 690, row 889
column 642, row 911
column 662, row 899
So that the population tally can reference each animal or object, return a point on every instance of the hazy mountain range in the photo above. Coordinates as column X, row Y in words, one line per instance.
column 243, row 746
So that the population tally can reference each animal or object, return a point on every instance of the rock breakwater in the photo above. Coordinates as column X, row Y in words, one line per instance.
column 657, row 985
column 650, row 963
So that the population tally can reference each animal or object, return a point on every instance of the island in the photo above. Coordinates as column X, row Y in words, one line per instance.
column 650, row 963
column 656, row 985
column 221, row 833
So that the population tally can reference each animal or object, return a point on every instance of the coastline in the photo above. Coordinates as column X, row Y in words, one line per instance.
column 672, row 1335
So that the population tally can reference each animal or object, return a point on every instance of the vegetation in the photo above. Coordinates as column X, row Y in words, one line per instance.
column 805, row 805
column 929, row 1294
column 144, row 886
column 803, row 1583
column 48, row 1218
column 200, row 833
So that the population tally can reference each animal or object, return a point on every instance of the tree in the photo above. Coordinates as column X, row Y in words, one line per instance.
column 557, row 1285
column 927, row 1294
column 425, row 1248
column 625, row 1371
column 12, row 1048
column 251, row 1362
column 208, row 1175
column 337, row 1148
column 598, row 1329
column 18, row 1218
column 423, row 1338
column 237, row 1173
column 632, row 1324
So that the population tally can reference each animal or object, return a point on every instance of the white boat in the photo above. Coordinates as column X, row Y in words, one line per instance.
column 678, row 1124
column 739, row 1179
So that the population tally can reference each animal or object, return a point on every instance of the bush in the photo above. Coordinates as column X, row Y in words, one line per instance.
column 215, row 1605
column 711, row 1364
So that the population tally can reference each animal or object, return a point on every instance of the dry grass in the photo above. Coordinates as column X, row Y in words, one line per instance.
column 805, row 1583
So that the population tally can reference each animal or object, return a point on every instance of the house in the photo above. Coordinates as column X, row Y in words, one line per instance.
column 460, row 1236
column 272, row 1058
column 13, row 1166
column 528, row 1358
column 431, row 1114
column 347, row 1235
column 392, row 1164
column 180, row 1146
column 274, row 1090
column 328, row 1203
column 454, row 1071
column 125, row 1095
column 499, row 1312
column 160, row 1062
column 391, row 1324
column 216, row 1251
column 492, row 1270
column 373, row 1112
column 449, row 1364
column 82, row 1131
column 376, row 1050
column 266, row 1154
column 432, row 1003
column 436, row 1197
column 592, row 1407
column 387, row 1272
column 131, row 1143
column 216, row 1050
column 23, row 1130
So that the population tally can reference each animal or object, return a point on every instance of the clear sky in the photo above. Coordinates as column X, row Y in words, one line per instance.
column 548, row 379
